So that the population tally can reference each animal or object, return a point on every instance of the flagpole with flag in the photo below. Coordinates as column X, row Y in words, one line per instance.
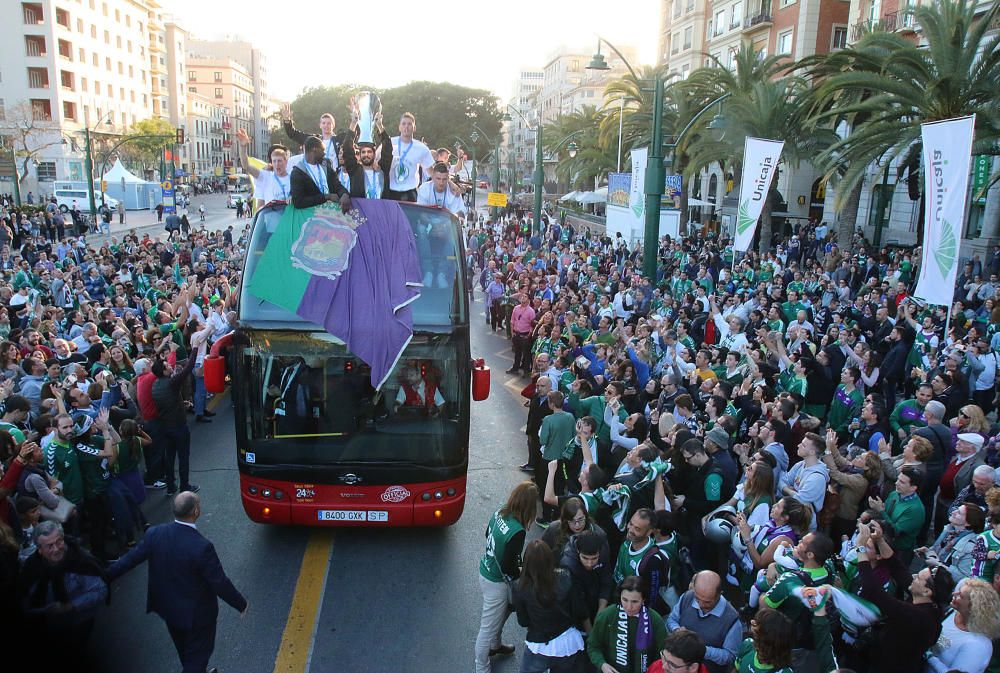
column 760, row 162
column 947, row 159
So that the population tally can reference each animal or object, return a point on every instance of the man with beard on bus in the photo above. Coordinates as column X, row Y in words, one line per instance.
column 368, row 180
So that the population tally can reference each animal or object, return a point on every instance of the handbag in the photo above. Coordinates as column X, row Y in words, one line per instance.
column 61, row 513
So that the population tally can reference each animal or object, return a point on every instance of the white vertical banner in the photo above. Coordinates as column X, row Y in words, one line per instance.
column 947, row 159
column 637, row 194
column 760, row 161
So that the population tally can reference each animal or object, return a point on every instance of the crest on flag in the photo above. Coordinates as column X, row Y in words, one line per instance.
column 325, row 243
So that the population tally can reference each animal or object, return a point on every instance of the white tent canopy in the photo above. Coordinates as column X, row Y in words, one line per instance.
column 118, row 173
column 698, row 203
column 594, row 197
column 572, row 196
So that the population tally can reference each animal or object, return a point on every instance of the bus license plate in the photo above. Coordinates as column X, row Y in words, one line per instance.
column 353, row 515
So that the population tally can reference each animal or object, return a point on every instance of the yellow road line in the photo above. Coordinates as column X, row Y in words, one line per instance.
column 216, row 401
column 295, row 651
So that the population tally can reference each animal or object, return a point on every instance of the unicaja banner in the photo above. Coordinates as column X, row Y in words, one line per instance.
column 947, row 160
column 760, row 159
column 637, row 195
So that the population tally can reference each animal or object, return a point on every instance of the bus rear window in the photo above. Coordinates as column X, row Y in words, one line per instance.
column 442, row 298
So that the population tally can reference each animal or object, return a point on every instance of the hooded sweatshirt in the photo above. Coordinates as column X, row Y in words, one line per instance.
column 809, row 483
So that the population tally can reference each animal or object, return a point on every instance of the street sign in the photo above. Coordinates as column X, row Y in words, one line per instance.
column 496, row 199
column 167, row 191
column 104, row 186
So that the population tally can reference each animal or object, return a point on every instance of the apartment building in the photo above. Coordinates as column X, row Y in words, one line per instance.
column 69, row 63
column 204, row 136
column 228, row 84
column 255, row 63
column 518, row 141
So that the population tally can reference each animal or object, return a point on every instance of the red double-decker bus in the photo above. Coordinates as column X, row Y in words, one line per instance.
column 317, row 444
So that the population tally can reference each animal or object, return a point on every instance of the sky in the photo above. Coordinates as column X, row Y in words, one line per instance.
column 390, row 42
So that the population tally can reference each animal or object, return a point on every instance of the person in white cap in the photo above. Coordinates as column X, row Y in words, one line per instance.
column 958, row 474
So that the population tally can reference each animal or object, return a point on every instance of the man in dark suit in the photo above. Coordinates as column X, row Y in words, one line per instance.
column 538, row 409
column 313, row 182
column 186, row 580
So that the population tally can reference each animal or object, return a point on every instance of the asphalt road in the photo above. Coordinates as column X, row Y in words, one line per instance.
column 394, row 599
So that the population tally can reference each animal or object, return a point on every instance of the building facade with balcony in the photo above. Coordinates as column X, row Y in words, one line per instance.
column 682, row 35
column 67, row 63
column 228, row 84
column 254, row 63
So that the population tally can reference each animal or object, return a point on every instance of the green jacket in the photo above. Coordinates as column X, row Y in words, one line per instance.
column 907, row 516
column 557, row 431
column 594, row 406
column 906, row 416
column 601, row 643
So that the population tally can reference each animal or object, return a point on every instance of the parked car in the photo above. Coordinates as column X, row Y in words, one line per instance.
column 233, row 198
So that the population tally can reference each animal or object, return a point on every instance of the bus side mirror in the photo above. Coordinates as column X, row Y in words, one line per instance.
column 480, row 380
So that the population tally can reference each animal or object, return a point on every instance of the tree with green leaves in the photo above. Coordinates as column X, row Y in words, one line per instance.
column 593, row 159
column 893, row 85
column 443, row 111
column 146, row 140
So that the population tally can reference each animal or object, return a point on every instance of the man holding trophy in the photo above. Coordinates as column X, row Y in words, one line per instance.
column 366, row 179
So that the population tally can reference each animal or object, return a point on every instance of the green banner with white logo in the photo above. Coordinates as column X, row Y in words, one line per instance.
column 760, row 163
column 947, row 159
column 981, row 164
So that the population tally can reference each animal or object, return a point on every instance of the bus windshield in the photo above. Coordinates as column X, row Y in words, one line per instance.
column 442, row 298
column 306, row 400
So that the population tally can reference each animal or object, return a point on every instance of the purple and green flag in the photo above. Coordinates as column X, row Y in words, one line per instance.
column 354, row 274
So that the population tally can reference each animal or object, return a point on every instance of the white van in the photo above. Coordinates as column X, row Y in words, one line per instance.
column 66, row 197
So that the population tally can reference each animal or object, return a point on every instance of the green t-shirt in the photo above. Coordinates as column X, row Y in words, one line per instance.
column 747, row 661
column 791, row 309
column 844, row 407
column 628, row 561
column 14, row 431
column 173, row 330
column 94, row 470
column 129, row 455
column 61, row 462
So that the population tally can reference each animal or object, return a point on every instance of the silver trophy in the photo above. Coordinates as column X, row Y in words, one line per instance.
column 367, row 109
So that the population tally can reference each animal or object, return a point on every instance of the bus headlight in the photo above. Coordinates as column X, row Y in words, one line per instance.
column 438, row 495
column 252, row 490
column 266, row 492
column 451, row 492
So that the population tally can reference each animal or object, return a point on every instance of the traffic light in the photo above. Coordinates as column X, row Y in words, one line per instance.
column 180, row 136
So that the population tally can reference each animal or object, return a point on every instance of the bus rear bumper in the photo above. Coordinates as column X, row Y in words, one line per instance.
column 285, row 503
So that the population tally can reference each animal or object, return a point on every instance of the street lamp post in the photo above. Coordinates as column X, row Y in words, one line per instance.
column 17, row 186
column 539, row 175
column 655, row 171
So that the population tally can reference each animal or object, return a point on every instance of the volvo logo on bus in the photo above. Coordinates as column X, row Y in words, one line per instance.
column 350, row 479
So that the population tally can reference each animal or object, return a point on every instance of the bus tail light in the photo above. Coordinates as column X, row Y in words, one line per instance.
column 437, row 514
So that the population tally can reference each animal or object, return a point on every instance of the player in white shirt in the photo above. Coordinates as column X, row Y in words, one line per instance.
column 272, row 188
column 327, row 125
column 409, row 158
column 438, row 192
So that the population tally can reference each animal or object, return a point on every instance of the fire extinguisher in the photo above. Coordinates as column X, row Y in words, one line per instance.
column 480, row 380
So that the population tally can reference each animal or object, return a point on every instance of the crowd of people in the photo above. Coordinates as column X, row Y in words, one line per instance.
column 782, row 462
column 101, row 354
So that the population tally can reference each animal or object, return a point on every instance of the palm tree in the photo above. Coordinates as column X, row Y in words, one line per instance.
column 593, row 157
column 892, row 86
column 762, row 104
